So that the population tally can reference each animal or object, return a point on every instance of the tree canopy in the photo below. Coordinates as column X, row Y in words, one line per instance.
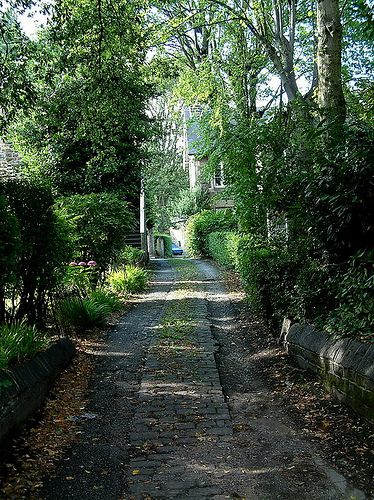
column 285, row 97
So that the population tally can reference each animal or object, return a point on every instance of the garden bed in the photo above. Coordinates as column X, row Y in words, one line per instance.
column 24, row 387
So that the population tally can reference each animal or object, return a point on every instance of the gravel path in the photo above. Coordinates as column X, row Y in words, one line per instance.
column 178, row 409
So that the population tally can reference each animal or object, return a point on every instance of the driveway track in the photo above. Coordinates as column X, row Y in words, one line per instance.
column 187, row 418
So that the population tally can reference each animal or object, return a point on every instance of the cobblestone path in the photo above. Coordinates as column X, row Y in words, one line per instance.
column 181, row 407
column 165, row 428
column 185, row 442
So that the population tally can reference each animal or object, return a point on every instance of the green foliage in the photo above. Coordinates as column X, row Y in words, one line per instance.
column 17, row 86
column 130, row 256
column 200, row 225
column 40, row 245
column 19, row 341
column 105, row 297
column 337, row 191
column 163, row 174
column 99, row 223
column 167, row 243
column 87, row 126
column 190, row 202
column 223, row 246
column 9, row 242
column 268, row 276
column 354, row 314
column 82, row 313
column 132, row 279
column 314, row 288
column 78, row 280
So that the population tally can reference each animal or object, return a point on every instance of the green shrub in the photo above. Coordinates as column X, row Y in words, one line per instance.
column 129, row 280
column 9, row 242
column 167, row 243
column 99, row 223
column 105, row 297
column 81, row 313
column 116, row 281
column 223, row 248
column 130, row 256
column 314, row 290
column 199, row 226
column 268, row 276
column 135, row 279
column 79, row 280
column 39, row 248
column 354, row 314
column 19, row 341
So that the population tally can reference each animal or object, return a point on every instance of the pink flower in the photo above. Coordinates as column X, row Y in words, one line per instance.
column 73, row 263
column 82, row 264
column 91, row 263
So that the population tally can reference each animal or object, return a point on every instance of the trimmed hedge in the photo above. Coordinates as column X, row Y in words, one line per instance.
column 200, row 225
column 278, row 282
column 223, row 246
column 289, row 280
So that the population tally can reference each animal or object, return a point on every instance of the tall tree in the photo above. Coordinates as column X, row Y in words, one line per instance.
column 330, row 91
column 88, row 127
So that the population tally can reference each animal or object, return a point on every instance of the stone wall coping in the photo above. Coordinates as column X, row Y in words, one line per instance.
column 345, row 365
column 25, row 386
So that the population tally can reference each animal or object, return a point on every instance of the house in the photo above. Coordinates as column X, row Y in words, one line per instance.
column 194, row 164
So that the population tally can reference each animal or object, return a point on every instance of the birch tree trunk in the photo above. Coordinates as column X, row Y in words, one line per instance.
column 330, row 92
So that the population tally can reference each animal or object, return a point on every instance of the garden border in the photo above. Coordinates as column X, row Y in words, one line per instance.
column 23, row 388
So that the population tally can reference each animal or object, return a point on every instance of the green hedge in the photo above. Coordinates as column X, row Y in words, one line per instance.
column 222, row 246
column 268, row 276
column 34, row 245
column 278, row 282
column 200, row 225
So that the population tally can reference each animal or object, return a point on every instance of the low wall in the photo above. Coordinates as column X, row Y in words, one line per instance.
column 346, row 366
column 24, row 387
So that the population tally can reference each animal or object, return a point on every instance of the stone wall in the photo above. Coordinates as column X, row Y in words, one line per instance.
column 24, row 387
column 345, row 365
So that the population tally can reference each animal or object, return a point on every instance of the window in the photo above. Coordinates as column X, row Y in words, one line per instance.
column 219, row 181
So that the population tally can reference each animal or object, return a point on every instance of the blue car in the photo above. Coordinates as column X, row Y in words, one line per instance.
column 176, row 250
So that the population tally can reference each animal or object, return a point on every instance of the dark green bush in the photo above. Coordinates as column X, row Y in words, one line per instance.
column 354, row 313
column 199, row 226
column 222, row 246
column 268, row 276
column 40, row 246
column 99, row 223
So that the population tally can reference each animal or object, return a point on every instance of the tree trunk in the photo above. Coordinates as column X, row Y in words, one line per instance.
column 330, row 92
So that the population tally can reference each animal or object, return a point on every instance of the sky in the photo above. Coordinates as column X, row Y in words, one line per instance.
column 31, row 20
